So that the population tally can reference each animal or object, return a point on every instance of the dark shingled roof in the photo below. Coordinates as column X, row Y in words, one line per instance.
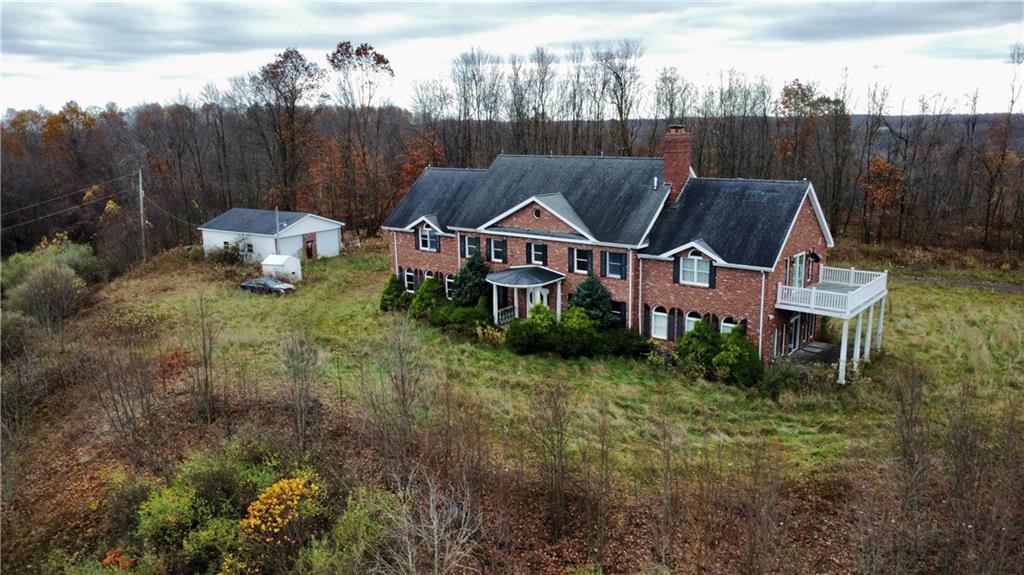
column 744, row 221
column 612, row 196
column 524, row 277
column 247, row 220
column 438, row 192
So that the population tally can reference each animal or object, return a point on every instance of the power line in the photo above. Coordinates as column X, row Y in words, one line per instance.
column 157, row 206
column 19, row 224
column 23, row 208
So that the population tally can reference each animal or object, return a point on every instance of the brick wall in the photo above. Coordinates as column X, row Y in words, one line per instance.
column 738, row 292
column 525, row 218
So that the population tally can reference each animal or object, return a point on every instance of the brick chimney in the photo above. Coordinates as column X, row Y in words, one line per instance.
column 678, row 150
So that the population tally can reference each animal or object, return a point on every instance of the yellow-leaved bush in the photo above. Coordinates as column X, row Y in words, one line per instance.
column 278, row 523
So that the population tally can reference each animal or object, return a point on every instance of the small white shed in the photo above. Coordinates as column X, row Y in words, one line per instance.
column 286, row 268
column 260, row 233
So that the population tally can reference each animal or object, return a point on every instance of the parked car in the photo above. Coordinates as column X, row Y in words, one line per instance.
column 267, row 285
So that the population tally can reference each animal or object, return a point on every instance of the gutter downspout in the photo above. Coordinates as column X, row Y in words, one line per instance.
column 629, row 308
column 394, row 247
column 760, row 324
column 640, row 299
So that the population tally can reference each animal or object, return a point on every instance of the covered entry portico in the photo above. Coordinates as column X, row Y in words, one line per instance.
column 535, row 284
column 843, row 294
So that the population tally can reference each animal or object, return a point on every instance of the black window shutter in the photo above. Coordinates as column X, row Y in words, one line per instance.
column 572, row 259
column 462, row 246
column 680, row 323
column 544, row 255
column 785, row 274
column 604, row 264
column 437, row 243
column 712, row 273
column 529, row 253
column 504, row 251
column 487, row 255
column 675, row 270
column 672, row 324
column 647, row 320
column 590, row 260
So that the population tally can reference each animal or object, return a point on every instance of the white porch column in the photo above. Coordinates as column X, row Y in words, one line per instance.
column 857, row 338
column 494, row 301
column 558, row 302
column 842, row 352
column 881, row 321
column 515, row 302
column 867, row 334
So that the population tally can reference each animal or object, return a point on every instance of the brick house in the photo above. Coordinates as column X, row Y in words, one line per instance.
column 670, row 247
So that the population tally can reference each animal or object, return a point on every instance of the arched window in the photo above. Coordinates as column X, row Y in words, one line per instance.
column 691, row 320
column 728, row 324
column 410, row 279
column 659, row 323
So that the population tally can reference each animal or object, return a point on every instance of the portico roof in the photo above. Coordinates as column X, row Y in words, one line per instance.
column 525, row 276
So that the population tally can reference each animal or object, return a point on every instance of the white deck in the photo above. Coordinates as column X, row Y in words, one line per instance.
column 841, row 293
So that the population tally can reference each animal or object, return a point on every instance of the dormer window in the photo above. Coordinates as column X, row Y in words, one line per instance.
column 695, row 269
column 429, row 240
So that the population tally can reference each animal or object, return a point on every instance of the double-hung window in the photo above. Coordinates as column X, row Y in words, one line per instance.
column 449, row 285
column 581, row 261
column 615, row 265
column 659, row 323
column 539, row 254
column 498, row 250
column 694, row 270
column 429, row 240
column 410, row 280
column 472, row 245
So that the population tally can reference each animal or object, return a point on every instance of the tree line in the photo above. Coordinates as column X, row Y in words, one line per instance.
column 321, row 135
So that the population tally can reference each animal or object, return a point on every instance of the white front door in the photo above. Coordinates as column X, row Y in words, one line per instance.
column 535, row 295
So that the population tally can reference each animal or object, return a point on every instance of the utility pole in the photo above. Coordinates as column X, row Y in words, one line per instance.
column 142, row 217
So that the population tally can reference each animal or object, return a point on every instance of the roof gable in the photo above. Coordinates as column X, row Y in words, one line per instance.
column 438, row 192
column 608, row 199
column 744, row 222
column 549, row 213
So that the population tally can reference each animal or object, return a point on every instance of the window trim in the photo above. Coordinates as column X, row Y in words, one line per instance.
column 539, row 261
column 695, row 261
column 475, row 246
column 427, row 233
column 504, row 251
column 622, row 265
column 410, row 280
column 449, row 285
column 654, row 322
column 690, row 321
column 727, row 321
column 576, row 261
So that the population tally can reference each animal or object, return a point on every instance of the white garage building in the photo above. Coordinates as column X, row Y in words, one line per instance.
column 260, row 233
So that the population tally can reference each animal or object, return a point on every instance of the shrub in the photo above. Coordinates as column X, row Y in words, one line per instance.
column 167, row 516
column 394, row 297
column 534, row 334
column 224, row 483
column 354, row 539
column 279, row 523
column 229, row 255
column 19, row 334
column 49, row 294
column 698, row 348
column 577, row 334
column 780, row 375
column 591, row 296
column 623, row 342
column 122, row 498
column 205, row 547
column 470, row 284
column 429, row 296
column 61, row 251
column 737, row 361
column 462, row 320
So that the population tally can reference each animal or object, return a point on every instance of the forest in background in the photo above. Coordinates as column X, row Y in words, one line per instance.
column 312, row 134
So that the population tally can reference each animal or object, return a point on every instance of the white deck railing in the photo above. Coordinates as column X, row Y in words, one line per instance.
column 506, row 314
column 847, row 276
column 825, row 299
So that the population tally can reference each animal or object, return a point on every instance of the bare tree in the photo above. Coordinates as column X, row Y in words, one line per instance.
column 551, row 431
column 667, row 502
column 200, row 335
column 597, row 480
column 128, row 395
column 625, row 85
column 302, row 363
column 21, row 389
column 398, row 391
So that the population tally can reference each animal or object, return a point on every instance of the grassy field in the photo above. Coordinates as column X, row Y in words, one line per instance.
column 959, row 333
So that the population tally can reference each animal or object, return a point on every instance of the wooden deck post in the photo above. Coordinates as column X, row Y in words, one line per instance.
column 856, row 341
column 867, row 334
column 842, row 352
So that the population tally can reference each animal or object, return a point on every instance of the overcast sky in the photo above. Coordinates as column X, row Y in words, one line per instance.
column 132, row 53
